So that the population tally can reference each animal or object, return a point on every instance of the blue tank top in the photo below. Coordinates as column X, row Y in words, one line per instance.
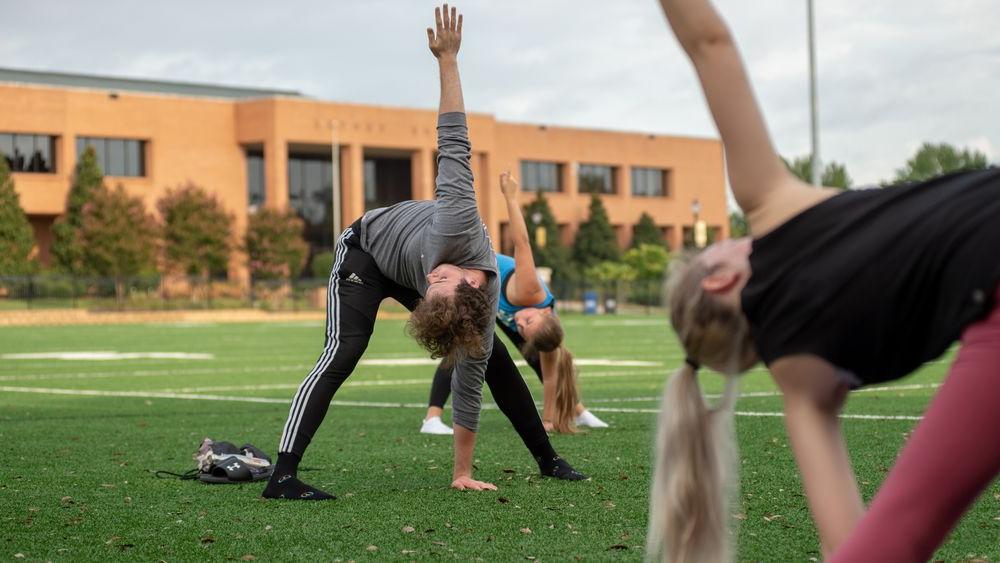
column 505, row 309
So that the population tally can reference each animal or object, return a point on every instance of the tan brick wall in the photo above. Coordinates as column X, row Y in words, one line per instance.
column 203, row 140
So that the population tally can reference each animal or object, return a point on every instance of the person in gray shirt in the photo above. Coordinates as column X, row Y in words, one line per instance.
column 434, row 257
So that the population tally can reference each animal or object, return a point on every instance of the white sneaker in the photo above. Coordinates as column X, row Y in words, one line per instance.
column 588, row 419
column 433, row 425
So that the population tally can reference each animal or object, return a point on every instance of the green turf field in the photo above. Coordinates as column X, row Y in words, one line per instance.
column 75, row 483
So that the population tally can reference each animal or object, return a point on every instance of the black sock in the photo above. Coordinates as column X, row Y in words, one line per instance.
column 557, row 467
column 284, row 483
column 288, row 464
column 543, row 450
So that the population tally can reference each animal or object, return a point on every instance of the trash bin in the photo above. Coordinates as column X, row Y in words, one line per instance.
column 610, row 305
column 590, row 303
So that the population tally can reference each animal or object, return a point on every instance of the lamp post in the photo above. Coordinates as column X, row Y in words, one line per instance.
column 700, row 230
column 815, row 164
column 335, row 174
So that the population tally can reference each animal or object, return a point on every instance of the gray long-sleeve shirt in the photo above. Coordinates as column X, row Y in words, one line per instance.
column 409, row 239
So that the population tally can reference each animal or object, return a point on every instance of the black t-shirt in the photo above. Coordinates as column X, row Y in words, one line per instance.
column 878, row 281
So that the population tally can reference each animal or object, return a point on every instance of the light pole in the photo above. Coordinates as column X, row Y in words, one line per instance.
column 335, row 174
column 814, row 173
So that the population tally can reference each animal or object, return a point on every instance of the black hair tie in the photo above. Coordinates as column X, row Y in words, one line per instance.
column 691, row 362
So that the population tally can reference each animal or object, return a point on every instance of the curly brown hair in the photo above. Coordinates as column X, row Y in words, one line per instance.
column 452, row 327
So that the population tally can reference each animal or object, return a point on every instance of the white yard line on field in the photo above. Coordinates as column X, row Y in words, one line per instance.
column 770, row 414
column 367, row 404
column 278, row 386
column 108, row 355
column 889, row 388
column 304, row 368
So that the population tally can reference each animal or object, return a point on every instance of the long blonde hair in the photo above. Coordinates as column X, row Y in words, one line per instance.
column 549, row 338
column 694, row 479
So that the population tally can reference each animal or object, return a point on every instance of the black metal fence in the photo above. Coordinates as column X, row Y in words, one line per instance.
column 152, row 293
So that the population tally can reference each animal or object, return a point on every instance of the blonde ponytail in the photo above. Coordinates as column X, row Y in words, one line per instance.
column 567, row 394
column 694, row 475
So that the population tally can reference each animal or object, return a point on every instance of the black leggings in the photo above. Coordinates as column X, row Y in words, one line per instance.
column 441, row 387
column 356, row 289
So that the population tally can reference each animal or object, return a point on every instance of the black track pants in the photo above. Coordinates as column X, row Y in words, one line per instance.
column 356, row 289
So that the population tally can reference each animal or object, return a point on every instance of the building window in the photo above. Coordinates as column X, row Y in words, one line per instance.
column 387, row 180
column 255, row 178
column 541, row 176
column 116, row 157
column 650, row 182
column 596, row 179
column 28, row 153
column 310, row 194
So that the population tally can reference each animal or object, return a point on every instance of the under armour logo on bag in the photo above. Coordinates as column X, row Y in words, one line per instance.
column 353, row 278
column 233, row 467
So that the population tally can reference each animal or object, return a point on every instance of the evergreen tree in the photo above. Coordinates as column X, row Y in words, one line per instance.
column 646, row 232
column 595, row 240
column 274, row 245
column 197, row 231
column 87, row 178
column 934, row 160
column 16, row 236
column 117, row 237
column 552, row 254
column 833, row 175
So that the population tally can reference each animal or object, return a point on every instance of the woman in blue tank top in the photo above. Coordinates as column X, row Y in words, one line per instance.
column 526, row 314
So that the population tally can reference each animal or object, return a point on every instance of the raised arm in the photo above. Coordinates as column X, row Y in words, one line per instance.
column 755, row 172
column 525, row 290
column 444, row 42
column 456, row 212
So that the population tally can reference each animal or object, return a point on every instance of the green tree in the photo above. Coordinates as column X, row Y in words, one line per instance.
column 608, row 271
column 932, row 160
column 646, row 232
column 552, row 254
column 738, row 225
column 16, row 236
column 649, row 261
column 117, row 237
column 274, row 245
column 834, row 173
column 322, row 265
column 66, row 249
column 595, row 240
column 197, row 231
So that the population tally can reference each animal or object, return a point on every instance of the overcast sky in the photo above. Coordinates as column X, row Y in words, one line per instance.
column 892, row 73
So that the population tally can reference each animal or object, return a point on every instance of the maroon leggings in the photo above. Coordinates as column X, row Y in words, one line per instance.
column 953, row 455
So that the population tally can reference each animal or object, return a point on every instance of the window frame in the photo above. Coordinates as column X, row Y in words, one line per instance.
column 664, row 184
column 528, row 176
column 610, row 187
column 48, row 163
column 103, row 149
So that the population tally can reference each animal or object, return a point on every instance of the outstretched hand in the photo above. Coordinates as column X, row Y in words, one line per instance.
column 470, row 484
column 508, row 185
column 445, row 41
